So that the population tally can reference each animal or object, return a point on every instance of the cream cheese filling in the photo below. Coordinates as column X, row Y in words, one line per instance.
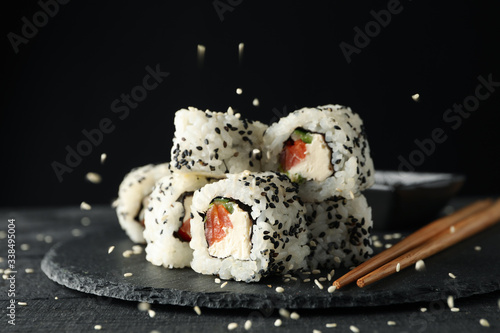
column 317, row 162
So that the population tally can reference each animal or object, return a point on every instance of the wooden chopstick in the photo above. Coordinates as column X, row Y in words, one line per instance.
column 413, row 240
column 446, row 238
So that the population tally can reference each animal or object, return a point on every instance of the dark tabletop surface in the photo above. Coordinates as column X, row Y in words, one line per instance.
column 42, row 305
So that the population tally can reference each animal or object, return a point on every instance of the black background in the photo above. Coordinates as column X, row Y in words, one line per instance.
column 66, row 77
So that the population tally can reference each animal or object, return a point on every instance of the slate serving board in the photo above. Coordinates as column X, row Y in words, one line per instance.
column 85, row 265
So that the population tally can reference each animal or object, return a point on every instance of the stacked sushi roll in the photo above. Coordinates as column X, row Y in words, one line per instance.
column 243, row 201
column 248, row 226
column 326, row 151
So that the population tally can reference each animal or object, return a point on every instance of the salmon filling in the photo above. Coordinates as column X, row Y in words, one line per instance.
column 228, row 230
column 306, row 156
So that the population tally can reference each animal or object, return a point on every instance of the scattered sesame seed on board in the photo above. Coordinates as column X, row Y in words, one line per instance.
column 388, row 236
column 329, row 277
column 103, row 158
column 93, row 177
column 454, row 309
column 151, row 313
column 29, row 270
column 420, row 265
column 330, row 325
column 286, row 280
column 197, row 310
column 217, row 280
column 277, row 322
column 320, row 286
column 477, row 248
column 316, row 271
column 484, row 322
column 306, row 280
column 322, row 279
column 293, row 278
column 388, row 246
column 396, row 235
column 377, row 243
column 3, row 234
column 453, row 276
column 97, row 327
column 56, row 298
column 331, row 289
column 306, row 273
column 76, row 232
column 137, row 249
column 248, row 325
column 39, row 237
column 22, row 303
column 127, row 274
column 85, row 206
column 85, row 221
column 450, row 301
column 398, row 267
column 391, row 323
column 143, row 306
column 284, row 313
column 354, row 329
column 423, row 309
column 294, row 316
column 337, row 260
column 111, row 248
column 127, row 253
column 48, row 239
column 279, row 289
column 25, row 247
column 223, row 285
column 316, row 331
column 232, row 326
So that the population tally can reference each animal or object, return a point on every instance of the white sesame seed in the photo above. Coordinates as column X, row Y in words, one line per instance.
column 22, row 303
column 223, row 285
column 143, row 306
column 387, row 236
column 197, row 310
column 127, row 253
column 477, row 248
column 239, row 91
column 85, row 206
column 284, row 313
column 56, row 298
column 332, row 272
column 248, row 325
column 230, row 111
column 398, row 267
column 48, row 239
column 312, row 243
column 352, row 195
column 423, row 309
column 103, row 158
column 76, row 232
column 5, row 276
column 415, row 97
column 378, row 243
column 420, row 265
column 329, row 277
column 484, row 322
column 306, row 273
column 3, row 234
column 97, row 327
column 277, row 322
column 396, row 235
column 454, row 309
column 137, row 249
column 25, row 247
column 217, row 280
column 374, row 237
column 452, row 229
column 388, row 246
column 232, row 326
column 391, row 323
column 29, row 270
column 294, row 316
column 127, row 274
column 39, row 237
column 93, row 177
column 85, row 221
column 306, row 280
column 286, row 280
column 255, row 102
column 316, row 271
column 322, row 279
column 151, row 313
column 111, row 248
column 201, row 54
column 354, row 329
column 1, row 270
column 316, row 331
column 331, row 289
column 330, row 325
column 337, row 260
column 279, row 289
column 320, row 286
column 450, row 301
column 293, row 278
column 453, row 276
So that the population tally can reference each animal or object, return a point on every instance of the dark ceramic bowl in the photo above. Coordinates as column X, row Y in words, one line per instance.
column 409, row 200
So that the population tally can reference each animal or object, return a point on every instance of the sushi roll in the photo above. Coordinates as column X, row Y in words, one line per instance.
column 167, row 220
column 215, row 143
column 324, row 149
column 133, row 195
column 340, row 232
column 248, row 226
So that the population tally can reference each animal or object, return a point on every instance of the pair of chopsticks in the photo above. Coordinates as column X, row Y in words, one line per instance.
column 425, row 242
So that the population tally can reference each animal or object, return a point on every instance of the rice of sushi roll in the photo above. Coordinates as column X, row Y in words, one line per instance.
column 167, row 220
column 340, row 230
column 248, row 226
column 215, row 143
column 324, row 149
column 133, row 195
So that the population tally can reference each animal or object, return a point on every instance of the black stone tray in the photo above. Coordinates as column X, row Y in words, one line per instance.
column 84, row 264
